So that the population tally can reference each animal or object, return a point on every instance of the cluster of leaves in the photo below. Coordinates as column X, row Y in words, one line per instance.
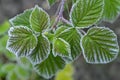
column 12, row 68
column 31, row 36
column 9, row 71
column 111, row 8
column 9, row 68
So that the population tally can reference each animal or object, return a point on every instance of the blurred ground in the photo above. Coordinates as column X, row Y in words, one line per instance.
column 83, row 70
column 10, row 8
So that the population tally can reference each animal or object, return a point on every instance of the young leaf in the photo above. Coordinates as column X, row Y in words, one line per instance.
column 60, row 29
column 49, row 35
column 111, row 9
column 21, row 40
column 72, row 36
column 41, row 52
column 61, row 48
column 50, row 66
column 100, row 45
column 85, row 13
column 22, row 19
column 39, row 19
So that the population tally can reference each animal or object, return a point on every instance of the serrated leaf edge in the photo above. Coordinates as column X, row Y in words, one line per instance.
column 11, row 35
column 83, row 52
column 69, row 51
column 36, row 6
column 60, row 28
column 11, row 20
column 45, row 76
column 34, row 63
column 77, row 32
column 110, row 20
column 69, row 29
column 89, row 25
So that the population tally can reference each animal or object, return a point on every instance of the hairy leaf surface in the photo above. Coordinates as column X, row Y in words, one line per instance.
column 60, row 29
column 39, row 19
column 61, row 48
column 21, row 40
column 22, row 19
column 111, row 9
column 41, row 51
column 100, row 45
column 85, row 13
column 50, row 66
column 72, row 36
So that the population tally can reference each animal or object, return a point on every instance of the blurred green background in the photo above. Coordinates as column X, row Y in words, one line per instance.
column 12, row 68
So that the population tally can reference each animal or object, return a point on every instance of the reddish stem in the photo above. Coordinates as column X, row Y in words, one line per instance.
column 60, row 14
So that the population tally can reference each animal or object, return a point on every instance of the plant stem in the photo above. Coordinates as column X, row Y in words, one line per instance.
column 83, row 32
column 66, row 21
column 60, row 14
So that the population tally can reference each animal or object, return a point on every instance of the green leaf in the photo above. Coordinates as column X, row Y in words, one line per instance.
column 72, row 36
column 3, row 42
column 2, row 73
column 85, row 13
column 22, row 72
column 60, row 29
column 8, row 67
column 41, row 52
column 21, row 40
column 4, row 27
column 111, row 9
column 10, row 56
column 50, row 36
column 100, row 45
column 39, row 19
column 61, row 48
column 50, row 66
column 25, row 63
column 22, row 19
column 51, row 2
column 12, row 76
